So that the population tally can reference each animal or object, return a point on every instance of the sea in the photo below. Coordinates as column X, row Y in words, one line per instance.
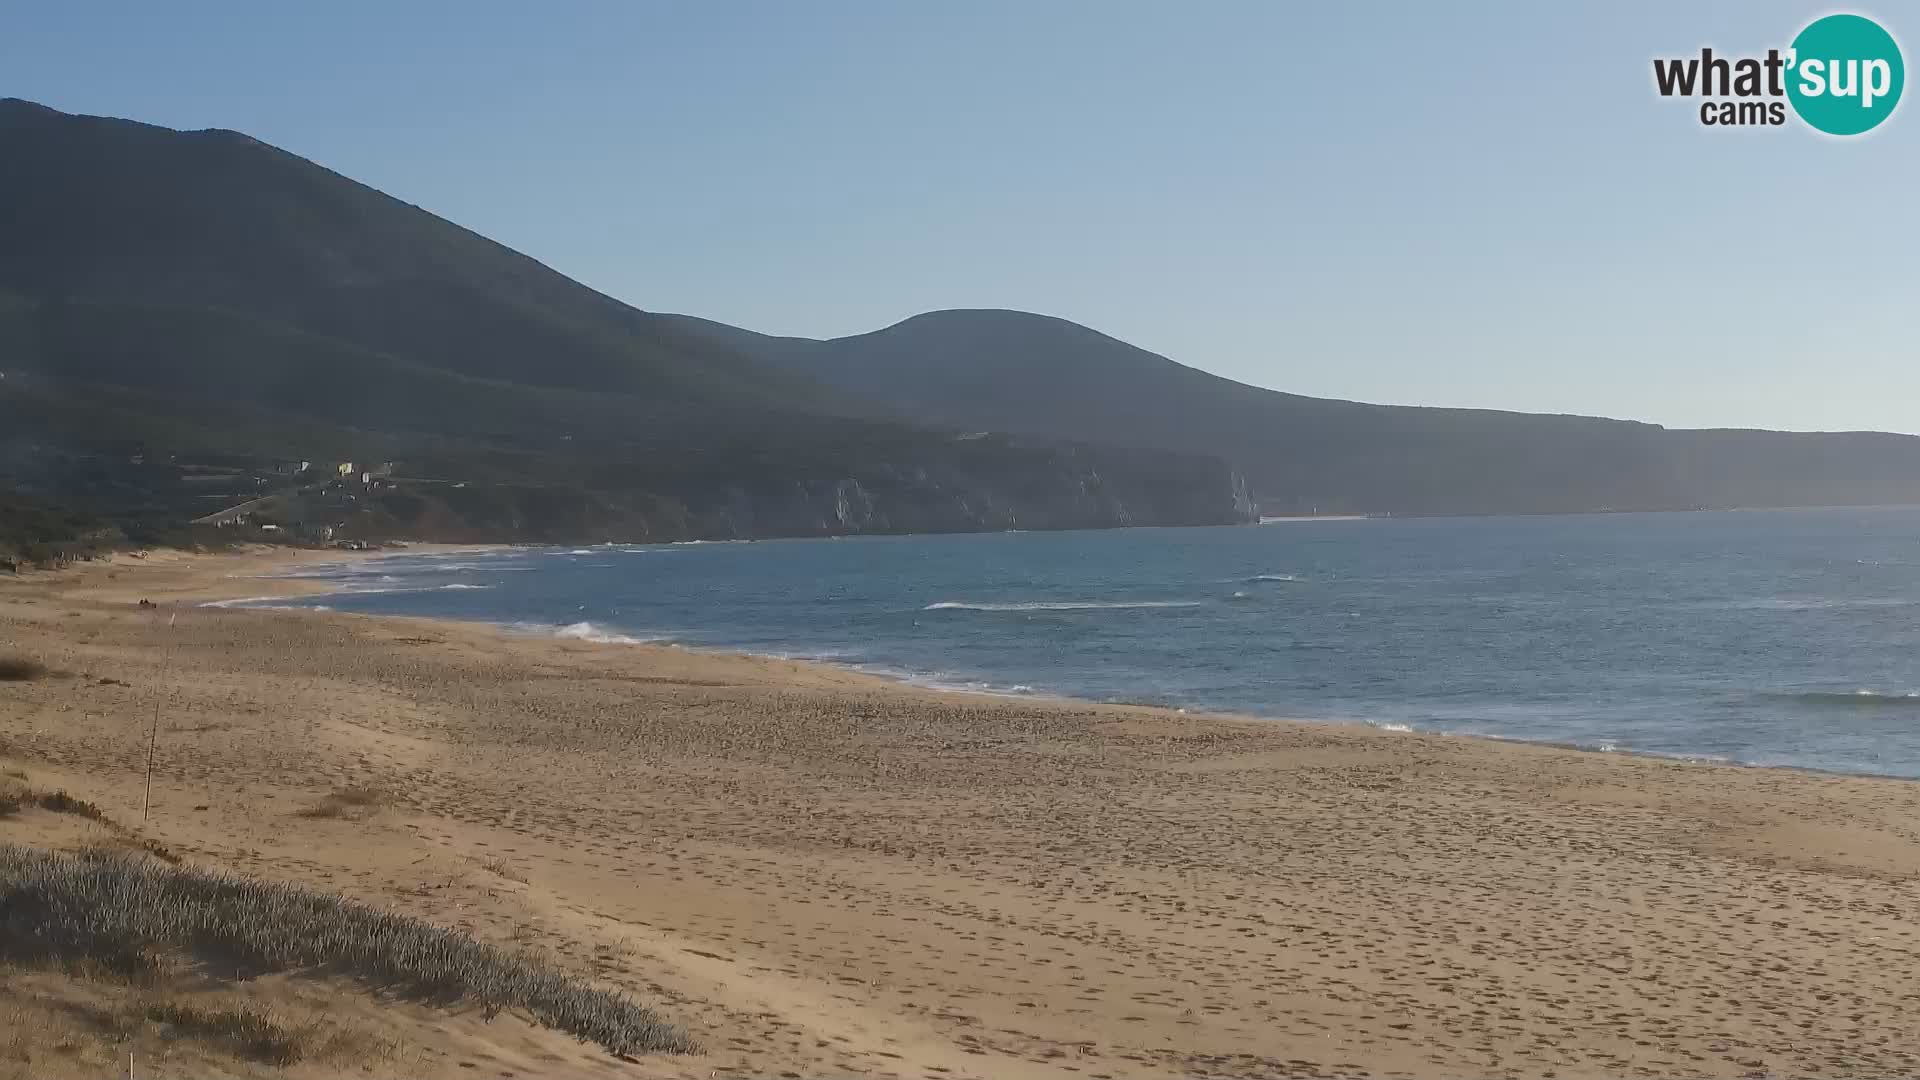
column 1768, row 638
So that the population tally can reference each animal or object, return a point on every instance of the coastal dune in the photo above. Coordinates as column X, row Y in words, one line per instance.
column 820, row 873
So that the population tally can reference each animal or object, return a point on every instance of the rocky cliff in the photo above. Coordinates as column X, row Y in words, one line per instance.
column 1039, row 487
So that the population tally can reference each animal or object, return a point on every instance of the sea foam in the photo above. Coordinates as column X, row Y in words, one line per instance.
column 586, row 631
column 240, row 602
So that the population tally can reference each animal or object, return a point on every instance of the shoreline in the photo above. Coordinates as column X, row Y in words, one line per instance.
column 825, row 872
column 906, row 680
column 203, row 594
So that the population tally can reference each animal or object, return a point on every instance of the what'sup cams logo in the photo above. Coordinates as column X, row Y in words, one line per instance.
column 1842, row 75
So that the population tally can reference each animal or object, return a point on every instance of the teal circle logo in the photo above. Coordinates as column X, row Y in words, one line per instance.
column 1845, row 74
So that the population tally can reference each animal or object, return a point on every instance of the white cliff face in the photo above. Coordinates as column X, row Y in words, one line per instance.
column 1045, row 488
column 852, row 506
column 1065, row 491
column 1243, row 504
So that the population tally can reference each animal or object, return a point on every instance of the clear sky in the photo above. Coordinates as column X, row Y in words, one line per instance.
column 1403, row 202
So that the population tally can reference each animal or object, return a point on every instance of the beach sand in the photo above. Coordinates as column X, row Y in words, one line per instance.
column 819, row 873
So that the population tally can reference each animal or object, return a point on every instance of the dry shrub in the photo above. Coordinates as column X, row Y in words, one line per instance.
column 351, row 803
column 500, row 867
column 21, row 669
column 247, row 1031
column 59, row 802
column 62, row 803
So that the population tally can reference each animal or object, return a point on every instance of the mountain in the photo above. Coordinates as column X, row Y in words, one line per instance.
column 174, row 304
column 1033, row 374
column 113, row 211
column 184, row 316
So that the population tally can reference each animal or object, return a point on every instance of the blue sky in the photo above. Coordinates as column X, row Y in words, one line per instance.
column 1485, row 205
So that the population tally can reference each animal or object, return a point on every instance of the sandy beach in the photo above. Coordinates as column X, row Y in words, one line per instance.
column 819, row 873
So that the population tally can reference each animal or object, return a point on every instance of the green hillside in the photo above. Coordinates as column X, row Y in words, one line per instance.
column 181, row 309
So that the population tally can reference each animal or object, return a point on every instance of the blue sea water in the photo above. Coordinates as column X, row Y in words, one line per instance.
column 1769, row 638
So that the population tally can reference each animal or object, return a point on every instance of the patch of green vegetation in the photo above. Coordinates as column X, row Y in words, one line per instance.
column 35, row 531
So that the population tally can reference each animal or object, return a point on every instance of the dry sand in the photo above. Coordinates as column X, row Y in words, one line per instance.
column 823, row 874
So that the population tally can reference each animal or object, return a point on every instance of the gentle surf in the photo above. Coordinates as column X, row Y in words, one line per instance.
column 1776, row 638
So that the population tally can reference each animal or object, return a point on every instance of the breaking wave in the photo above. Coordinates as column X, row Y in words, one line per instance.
column 1856, row 699
column 586, row 631
column 1061, row 605
column 242, row 602
column 1788, row 603
column 265, row 603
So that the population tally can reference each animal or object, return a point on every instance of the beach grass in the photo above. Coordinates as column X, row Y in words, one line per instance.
column 124, row 914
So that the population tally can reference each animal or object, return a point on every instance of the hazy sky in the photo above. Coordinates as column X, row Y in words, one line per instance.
column 1405, row 202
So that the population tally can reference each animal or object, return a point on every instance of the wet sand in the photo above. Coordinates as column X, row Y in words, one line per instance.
column 820, row 873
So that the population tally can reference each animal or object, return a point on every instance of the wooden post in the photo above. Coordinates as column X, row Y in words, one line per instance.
column 153, row 733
